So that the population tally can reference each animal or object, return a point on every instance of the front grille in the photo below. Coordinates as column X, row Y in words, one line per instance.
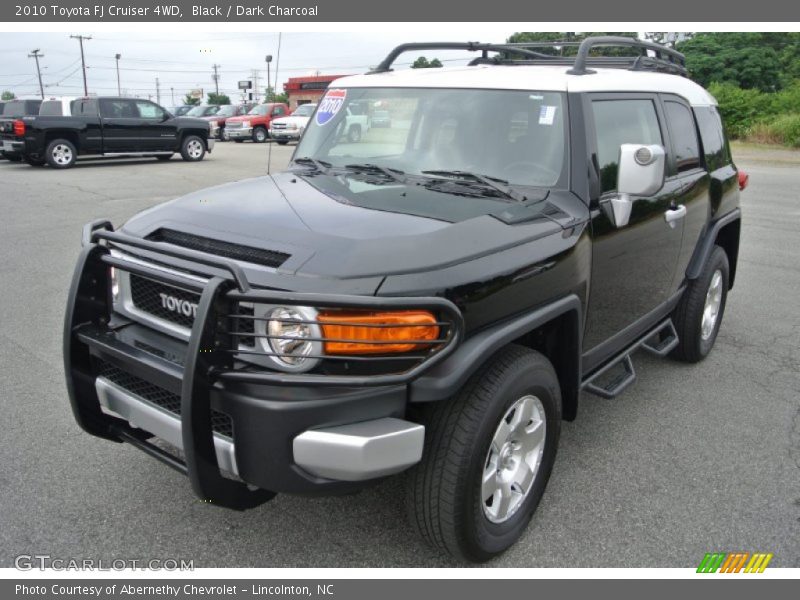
column 147, row 296
column 259, row 256
column 220, row 422
column 233, row 124
column 279, row 125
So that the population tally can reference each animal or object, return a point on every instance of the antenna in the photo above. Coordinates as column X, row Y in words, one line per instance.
column 277, row 64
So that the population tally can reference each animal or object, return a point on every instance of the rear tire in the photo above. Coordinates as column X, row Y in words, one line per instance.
column 501, row 427
column 61, row 154
column 193, row 148
column 260, row 135
column 698, row 316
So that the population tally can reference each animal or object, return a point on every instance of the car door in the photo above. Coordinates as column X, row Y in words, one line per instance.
column 690, row 169
column 157, row 129
column 633, row 266
column 121, row 125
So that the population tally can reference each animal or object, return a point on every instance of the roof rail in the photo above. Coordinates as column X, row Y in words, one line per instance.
column 650, row 56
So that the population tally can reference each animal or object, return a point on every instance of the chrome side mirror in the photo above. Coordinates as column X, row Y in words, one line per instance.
column 640, row 173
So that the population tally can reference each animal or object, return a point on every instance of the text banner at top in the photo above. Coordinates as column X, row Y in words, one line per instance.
column 330, row 11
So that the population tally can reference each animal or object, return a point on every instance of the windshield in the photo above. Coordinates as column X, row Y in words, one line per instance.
column 304, row 110
column 226, row 111
column 514, row 136
column 202, row 111
column 261, row 109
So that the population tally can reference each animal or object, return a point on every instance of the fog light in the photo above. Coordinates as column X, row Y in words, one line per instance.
column 293, row 338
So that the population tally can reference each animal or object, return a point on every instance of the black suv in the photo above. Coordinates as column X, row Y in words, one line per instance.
column 431, row 297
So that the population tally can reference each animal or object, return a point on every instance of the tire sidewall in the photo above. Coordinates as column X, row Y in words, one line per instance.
column 258, row 132
column 49, row 154
column 185, row 148
column 717, row 261
column 493, row 538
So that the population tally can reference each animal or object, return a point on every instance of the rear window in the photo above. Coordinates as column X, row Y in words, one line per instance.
column 21, row 108
column 684, row 136
column 51, row 108
column 712, row 136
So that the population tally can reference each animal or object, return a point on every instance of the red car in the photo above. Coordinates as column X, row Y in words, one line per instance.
column 220, row 118
column 255, row 124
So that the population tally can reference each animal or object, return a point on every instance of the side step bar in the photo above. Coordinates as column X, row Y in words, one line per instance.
column 659, row 341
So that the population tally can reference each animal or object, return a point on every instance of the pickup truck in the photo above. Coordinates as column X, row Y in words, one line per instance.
column 255, row 124
column 108, row 127
column 14, row 109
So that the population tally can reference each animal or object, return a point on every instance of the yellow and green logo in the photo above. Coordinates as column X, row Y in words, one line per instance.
column 734, row 562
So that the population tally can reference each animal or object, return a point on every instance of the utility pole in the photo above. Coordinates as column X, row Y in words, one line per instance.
column 172, row 95
column 216, row 77
column 255, row 84
column 35, row 54
column 268, row 60
column 119, row 88
column 80, row 39
column 158, row 92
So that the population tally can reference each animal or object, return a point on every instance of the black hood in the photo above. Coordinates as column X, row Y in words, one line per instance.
column 332, row 233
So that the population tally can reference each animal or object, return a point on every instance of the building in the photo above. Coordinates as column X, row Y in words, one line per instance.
column 302, row 90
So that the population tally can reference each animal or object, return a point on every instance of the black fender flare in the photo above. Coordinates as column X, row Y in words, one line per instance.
column 443, row 380
column 706, row 244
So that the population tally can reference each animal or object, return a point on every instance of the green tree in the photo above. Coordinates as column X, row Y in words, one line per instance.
column 271, row 96
column 424, row 63
column 750, row 60
column 214, row 98
column 191, row 100
column 6, row 95
column 569, row 36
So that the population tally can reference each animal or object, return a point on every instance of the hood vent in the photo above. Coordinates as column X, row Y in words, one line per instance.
column 259, row 256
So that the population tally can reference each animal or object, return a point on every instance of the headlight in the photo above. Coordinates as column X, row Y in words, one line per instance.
column 292, row 339
column 245, row 124
column 113, row 276
column 291, row 126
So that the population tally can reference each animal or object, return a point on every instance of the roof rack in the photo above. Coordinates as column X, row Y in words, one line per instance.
column 648, row 56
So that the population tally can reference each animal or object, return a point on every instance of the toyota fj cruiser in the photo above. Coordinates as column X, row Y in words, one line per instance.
column 433, row 296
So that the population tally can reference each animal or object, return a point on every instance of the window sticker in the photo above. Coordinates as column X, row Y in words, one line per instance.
column 547, row 114
column 331, row 104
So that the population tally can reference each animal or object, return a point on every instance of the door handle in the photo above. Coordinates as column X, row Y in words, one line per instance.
column 674, row 214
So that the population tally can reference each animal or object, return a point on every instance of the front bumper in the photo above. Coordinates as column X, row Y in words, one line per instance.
column 281, row 432
column 240, row 133
column 285, row 134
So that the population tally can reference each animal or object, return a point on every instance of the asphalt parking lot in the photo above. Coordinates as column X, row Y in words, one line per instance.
column 691, row 459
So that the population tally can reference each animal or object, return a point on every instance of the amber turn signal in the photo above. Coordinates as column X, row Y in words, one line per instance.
column 348, row 332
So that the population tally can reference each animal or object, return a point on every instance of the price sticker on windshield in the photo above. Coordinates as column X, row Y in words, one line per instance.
column 331, row 104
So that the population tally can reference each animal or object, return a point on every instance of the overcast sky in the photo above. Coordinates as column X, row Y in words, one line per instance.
column 183, row 61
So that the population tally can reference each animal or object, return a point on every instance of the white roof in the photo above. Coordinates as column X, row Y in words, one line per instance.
column 539, row 78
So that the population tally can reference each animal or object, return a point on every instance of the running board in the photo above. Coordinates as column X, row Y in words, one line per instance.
column 659, row 341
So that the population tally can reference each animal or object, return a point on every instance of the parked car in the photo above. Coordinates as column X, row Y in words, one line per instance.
column 381, row 118
column 105, row 126
column 433, row 299
column 219, row 119
column 180, row 111
column 255, row 124
column 286, row 129
column 15, row 109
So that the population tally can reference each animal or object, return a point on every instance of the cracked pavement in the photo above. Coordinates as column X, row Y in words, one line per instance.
column 690, row 459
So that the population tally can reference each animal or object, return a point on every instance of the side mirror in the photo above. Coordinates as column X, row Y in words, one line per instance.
column 641, row 173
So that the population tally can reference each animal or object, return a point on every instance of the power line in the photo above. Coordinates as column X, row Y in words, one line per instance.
column 80, row 39
column 36, row 55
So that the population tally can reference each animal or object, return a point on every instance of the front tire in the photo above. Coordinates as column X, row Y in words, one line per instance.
column 260, row 135
column 193, row 148
column 488, row 455
column 61, row 154
column 698, row 316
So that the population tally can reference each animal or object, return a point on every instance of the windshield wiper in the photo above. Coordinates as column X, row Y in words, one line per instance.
column 320, row 165
column 395, row 174
column 499, row 185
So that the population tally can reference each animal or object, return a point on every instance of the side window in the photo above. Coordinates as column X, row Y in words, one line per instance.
column 83, row 107
column 118, row 109
column 684, row 136
column 620, row 122
column 148, row 110
column 712, row 136
column 278, row 111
